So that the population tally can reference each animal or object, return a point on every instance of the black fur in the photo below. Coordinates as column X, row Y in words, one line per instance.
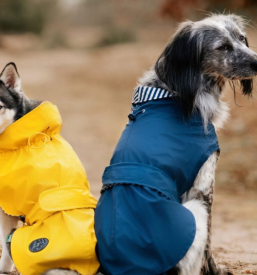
column 174, row 271
column 179, row 67
column 16, row 101
column 247, row 84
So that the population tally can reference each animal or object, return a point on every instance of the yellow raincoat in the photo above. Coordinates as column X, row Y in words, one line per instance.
column 42, row 178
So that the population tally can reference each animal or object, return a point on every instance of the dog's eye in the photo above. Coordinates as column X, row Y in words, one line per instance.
column 224, row 48
column 242, row 38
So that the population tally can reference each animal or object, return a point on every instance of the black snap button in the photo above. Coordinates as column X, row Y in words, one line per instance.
column 132, row 117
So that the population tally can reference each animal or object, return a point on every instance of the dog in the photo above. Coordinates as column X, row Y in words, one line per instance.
column 43, row 184
column 154, row 213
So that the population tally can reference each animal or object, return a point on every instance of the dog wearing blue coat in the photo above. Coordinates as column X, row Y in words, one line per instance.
column 154, row 213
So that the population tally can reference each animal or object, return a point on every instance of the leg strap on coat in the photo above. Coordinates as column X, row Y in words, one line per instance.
column 60, row 199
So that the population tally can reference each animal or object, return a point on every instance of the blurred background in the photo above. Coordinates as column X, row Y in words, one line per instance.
column 86, row 56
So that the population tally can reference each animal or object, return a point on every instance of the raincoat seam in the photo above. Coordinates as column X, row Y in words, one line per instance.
column 125, row 147
column 114, row 222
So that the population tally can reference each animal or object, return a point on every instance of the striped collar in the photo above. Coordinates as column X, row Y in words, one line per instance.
column 145, row 93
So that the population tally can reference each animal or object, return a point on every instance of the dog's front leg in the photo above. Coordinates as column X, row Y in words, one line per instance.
column 199, row 259
column 7, row 223
column 203, row 190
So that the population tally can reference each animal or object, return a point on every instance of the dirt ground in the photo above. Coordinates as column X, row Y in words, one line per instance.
column 93, row 89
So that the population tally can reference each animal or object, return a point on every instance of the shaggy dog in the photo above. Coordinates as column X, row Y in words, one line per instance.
column 146, row 223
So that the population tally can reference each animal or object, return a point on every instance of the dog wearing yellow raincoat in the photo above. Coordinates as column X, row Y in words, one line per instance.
column 42, row 182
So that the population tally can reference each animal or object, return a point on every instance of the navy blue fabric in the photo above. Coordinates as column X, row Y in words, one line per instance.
column 141, row 227
column 141, row 174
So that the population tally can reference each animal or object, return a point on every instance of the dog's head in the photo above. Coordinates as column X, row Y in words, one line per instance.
column 13, row 102
column 10, row 95
column 211, row 51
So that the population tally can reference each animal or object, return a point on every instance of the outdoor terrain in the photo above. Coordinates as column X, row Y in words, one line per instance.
column 92, row 89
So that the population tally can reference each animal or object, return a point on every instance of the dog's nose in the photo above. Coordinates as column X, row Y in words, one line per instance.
column 253, row 65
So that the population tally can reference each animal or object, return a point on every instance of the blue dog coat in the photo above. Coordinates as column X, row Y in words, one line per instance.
column 140, row 224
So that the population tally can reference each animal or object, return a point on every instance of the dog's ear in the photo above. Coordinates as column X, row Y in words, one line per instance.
column 179, row 66
column 10, row 77
column 247, row 84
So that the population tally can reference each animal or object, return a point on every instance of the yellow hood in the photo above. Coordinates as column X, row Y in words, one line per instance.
column 34, row 158
column 44, row 118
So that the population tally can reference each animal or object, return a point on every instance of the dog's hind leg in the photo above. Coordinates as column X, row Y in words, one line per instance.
column 7, row 223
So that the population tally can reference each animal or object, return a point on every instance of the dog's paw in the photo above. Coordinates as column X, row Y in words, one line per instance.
column 219, row 269
column 224, row 270
column 211, row 267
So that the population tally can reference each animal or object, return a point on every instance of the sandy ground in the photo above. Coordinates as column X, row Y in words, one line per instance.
column 93, row 90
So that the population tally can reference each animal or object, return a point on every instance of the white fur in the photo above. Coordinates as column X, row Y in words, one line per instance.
column 205, row 179
column 219, row 21
column 206, row 176
column 6, row 118
column 211, row 107
column 221, row 115
column 192, row 262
